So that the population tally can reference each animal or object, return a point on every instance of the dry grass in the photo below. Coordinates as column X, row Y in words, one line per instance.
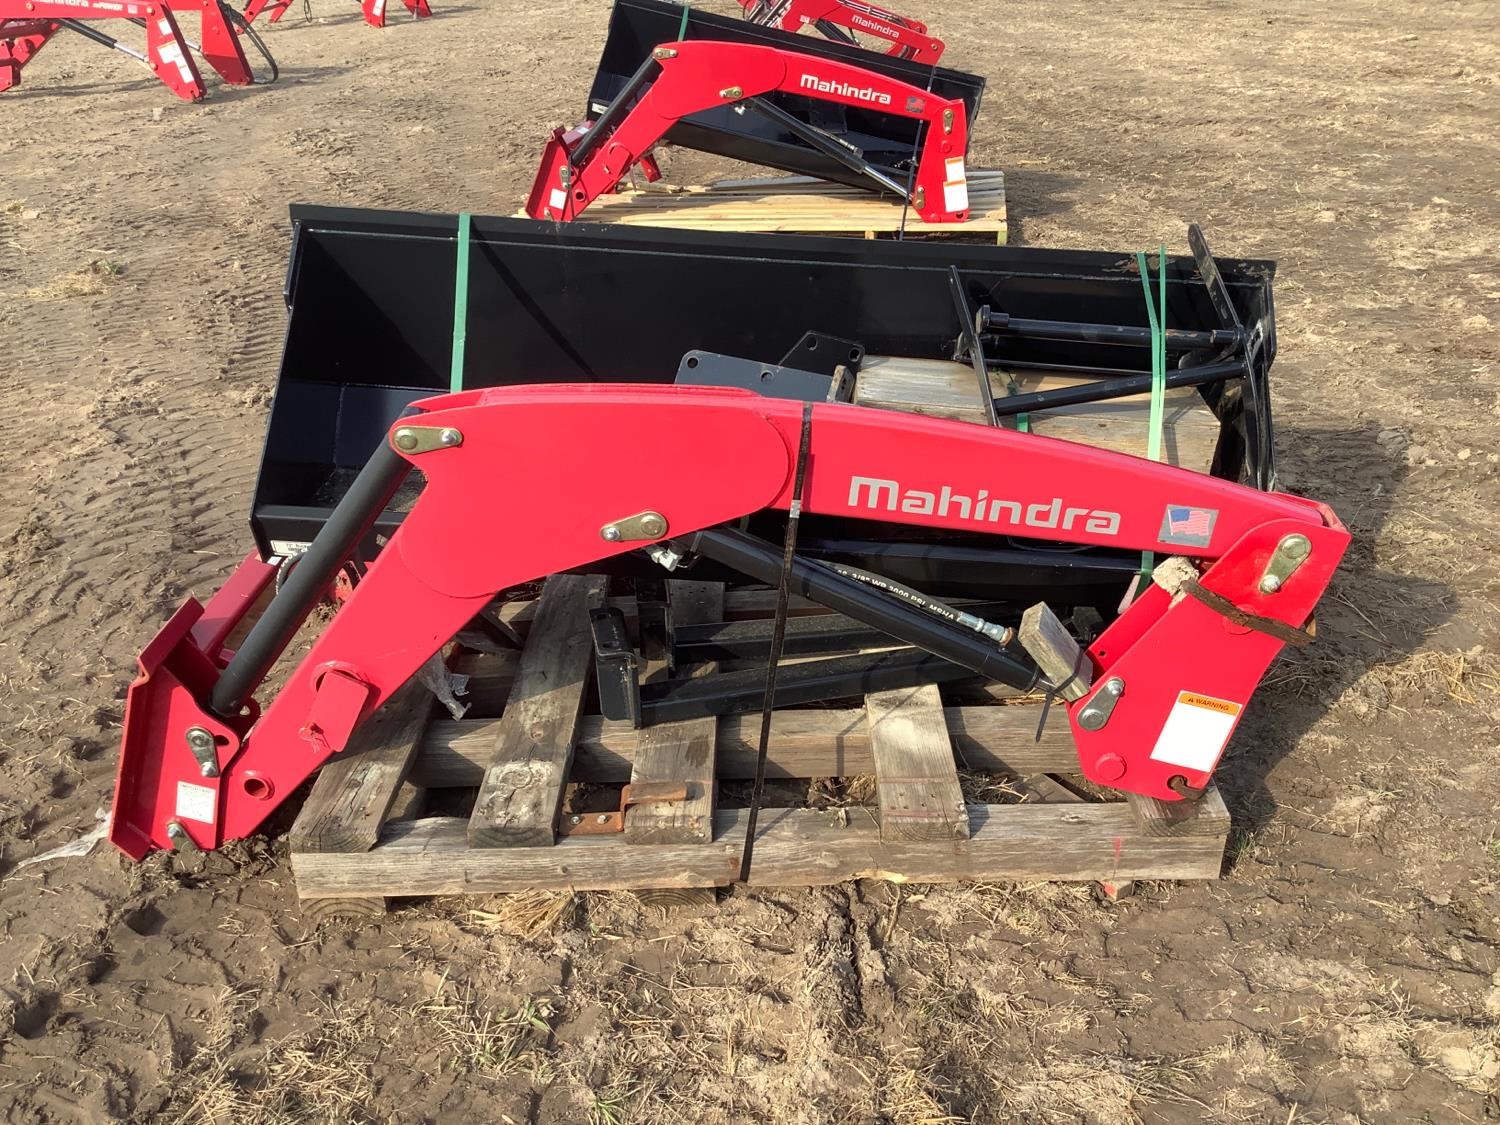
column 482, row 1042
column 528, row 915
column 88, row 281
column 312, row 1076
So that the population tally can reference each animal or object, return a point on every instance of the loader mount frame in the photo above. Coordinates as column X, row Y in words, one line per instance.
column 686, row 78
column 202, row 762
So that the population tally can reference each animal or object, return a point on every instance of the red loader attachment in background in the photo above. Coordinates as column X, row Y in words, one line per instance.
column 373, row 10
column 839, row 20
column 26, row 26
column 687, row 78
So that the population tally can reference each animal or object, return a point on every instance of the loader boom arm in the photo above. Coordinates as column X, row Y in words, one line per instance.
column 520, row 482
column 682, row 79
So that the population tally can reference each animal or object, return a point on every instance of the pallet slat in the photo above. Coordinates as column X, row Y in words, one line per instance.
column 789, row 204
column 811, row 743
column 916, row 780
column 679, row 751
column 794, row 847
column 522, row 790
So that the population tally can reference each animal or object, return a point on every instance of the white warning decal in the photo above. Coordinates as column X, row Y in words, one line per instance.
column 1196, row 730
column 955, row 185
column 196, row 802
column 557, row 200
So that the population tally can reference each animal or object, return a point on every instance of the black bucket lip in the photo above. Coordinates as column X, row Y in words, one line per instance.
column 1062, row 263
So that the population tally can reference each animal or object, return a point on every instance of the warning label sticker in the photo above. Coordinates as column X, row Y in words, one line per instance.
column 1196, row 730
column 955, row 186
column 196, row 802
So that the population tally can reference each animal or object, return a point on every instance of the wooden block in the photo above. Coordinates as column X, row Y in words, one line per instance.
column 1056, row 653
column 354, row 790
column 315, row 910
column 947, row 389
column 915, row 777
column 810, row 743
column 1207, row 816
column 680, row 751
column 522, row 790
column 794, row 847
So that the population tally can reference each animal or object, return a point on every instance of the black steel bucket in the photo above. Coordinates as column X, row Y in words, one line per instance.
column 371, row 296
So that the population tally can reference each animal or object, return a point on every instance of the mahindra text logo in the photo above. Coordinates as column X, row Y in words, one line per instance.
column 845, row 90
column 879, row 28
column 874, row 493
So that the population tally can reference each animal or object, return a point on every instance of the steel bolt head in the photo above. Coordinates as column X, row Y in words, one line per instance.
column 198, row 738
column 603, row 818
column 1270, row 584
column 450, row 437
column 1296, row 546
column 208, row 769
column 406, row 439
column 610, row 534
column 653, row 526
column 575, row 820
column 175, row 831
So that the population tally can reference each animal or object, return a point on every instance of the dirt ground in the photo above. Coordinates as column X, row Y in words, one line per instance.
column 1347, row 966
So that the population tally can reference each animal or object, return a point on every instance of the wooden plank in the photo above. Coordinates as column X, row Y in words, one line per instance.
column 945, row 389
column 799, row 203
column 680, row 751
column 916, row 781
column 1055, row 651
column 795, row 847
column 1207, row 816
column 522, row 789
column 810, row 743
column 355, row 790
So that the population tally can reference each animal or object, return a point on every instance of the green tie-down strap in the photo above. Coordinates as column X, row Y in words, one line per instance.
column 1158, row 372
column 682, row 27
column 460, row 304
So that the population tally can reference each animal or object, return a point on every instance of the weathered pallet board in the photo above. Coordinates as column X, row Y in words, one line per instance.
column 916, row 778
column 679, row 751
column 793, row 847
column 522, row 789
column 799, row 204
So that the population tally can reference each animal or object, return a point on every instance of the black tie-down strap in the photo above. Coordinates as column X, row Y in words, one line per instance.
column 1054, row 690
column 1286, row 634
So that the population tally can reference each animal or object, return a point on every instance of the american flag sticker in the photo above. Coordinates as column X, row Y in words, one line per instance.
column 1183, row 526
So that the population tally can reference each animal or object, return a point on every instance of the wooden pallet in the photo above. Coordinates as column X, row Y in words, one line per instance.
column 529, row 756
column 800, row 204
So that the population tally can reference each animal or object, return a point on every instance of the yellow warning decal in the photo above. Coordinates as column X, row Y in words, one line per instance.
column 1223, row 706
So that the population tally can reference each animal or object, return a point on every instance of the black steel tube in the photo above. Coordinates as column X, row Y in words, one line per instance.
column 841, row 151
column 1115, row 388
column 309, row 579
column 1178, row 339
column 96, row 35
column 896, row 618
column 970, row 336
column 613, row 112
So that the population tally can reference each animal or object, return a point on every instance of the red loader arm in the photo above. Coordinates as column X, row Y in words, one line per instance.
column 1187, row 670
column 695, row 76
column 373, row 10
column 27, row 25
column 907, row 37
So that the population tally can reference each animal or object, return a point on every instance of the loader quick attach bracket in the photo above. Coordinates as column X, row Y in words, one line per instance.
column 906, row 38
column 545, row 458
column 26, row 26
column 682, row 79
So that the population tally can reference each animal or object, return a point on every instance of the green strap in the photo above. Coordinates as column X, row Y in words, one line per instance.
column 1158, row 371
column 682, row 27
column 460, row 304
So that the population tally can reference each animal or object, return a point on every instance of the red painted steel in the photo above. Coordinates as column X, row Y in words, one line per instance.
column 906, row 38
column 27, row 25
column 702, row 74
column 373, row 10
column 539, row 473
